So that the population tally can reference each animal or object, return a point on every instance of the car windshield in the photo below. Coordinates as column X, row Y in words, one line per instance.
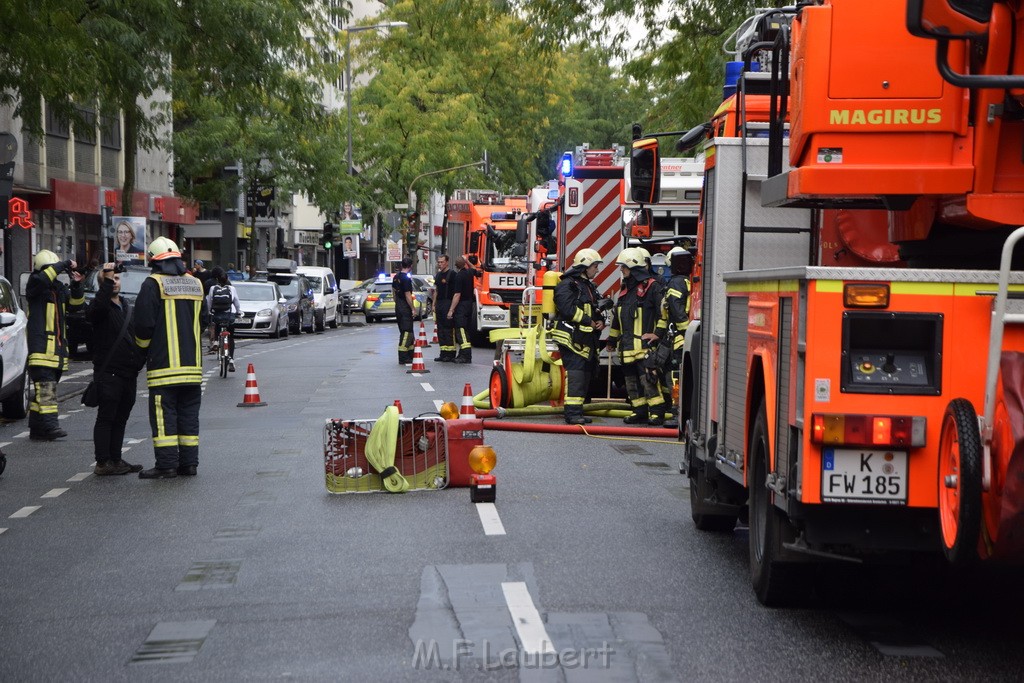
column 131, row 281
column 314, row 282
column 255, row 292
column 289, row 289
column 382, row 287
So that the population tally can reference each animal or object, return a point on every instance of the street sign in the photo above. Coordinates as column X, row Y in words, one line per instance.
column 399, row 207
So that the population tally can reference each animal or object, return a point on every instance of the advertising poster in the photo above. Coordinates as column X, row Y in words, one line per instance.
column 394, row 249
column 130, row 239
column 350, row 246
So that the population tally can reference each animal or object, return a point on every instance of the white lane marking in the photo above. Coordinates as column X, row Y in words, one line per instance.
column 490, row 519
column 125, row 449
column 62, row 417
column 78, row 410
column 416, row 374
column 5, row 443
column 3, row 529
column 134, row 441
column 426, row 386
column 81, row 476
column 532, row 634
column 437, row 404
column 21, row 436
column 25, row 511
column 53, row 493
column 80, row 373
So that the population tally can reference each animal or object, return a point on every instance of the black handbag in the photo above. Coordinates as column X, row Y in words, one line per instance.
column 91, row 395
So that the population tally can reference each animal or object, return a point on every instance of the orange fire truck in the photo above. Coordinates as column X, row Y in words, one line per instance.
column 483, row 223
column 857, row 348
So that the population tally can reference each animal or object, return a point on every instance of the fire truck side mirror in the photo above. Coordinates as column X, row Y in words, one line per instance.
column 692, row 137
column 645, row 172
column 948, row 18
column 522, row 231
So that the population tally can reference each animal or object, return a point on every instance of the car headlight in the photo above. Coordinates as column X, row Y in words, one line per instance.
column 496, row 298
column 292, row 308
column 265, row 312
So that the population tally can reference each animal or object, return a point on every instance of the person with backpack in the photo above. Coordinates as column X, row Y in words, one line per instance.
column 222, row 301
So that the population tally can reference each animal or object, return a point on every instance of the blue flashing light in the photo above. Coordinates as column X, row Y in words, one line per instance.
column 565, row 167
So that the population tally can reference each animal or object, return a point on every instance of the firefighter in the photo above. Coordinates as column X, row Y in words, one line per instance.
column 169, row 313
column 401, row 285
column 461, row 309
column 671, row 328
column 444, row 290
column 578, row 330
column 636, row 315
column 48, row 302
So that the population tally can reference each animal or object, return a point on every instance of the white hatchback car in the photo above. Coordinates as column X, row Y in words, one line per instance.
column 16, row 387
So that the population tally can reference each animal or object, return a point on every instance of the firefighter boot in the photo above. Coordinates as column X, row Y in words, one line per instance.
column 574, row 416
column 465, row 356
column 639, row 416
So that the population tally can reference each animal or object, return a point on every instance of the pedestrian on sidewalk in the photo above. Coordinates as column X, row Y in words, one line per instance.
column 116, row 364
column 168, row 313
column 48, row 302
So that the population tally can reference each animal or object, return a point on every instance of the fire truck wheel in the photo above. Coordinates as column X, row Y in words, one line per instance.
column 960, row 483
column 498, row 388
column 775, row 582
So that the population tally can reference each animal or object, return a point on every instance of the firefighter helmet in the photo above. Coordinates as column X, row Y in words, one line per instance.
column 587, row 258
column 677, row 251
column 44, row 257
column 163, row 248
column 630, row 258
column 644, row 254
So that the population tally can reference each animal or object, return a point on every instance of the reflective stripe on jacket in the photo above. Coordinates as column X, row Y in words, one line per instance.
column 48, row 301
column 575, row 305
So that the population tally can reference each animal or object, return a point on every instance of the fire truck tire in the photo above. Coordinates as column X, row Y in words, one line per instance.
column 775, row 582
column 498, row 388
column 959, row 483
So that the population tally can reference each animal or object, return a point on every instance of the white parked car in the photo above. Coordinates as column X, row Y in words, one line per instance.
column 16, row 387
column 263, row 309
column 325, row 295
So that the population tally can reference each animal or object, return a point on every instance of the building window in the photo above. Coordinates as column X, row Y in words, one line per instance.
column 86, row 130
column 56, row 125
column 110, row 131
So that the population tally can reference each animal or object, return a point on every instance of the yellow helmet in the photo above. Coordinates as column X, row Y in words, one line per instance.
column 44, row 257
column 630, row 258
column 163, row 248
column 587, row 257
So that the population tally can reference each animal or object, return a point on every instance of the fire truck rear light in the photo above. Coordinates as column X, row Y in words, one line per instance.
column 866, row 295
column 898, row 431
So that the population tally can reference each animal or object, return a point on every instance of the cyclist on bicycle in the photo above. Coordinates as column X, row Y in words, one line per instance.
column 222, row 300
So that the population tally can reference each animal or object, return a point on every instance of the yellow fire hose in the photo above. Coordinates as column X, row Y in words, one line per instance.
column 380, row 450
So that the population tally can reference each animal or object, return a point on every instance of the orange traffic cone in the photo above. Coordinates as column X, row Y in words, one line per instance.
column 468, row 410
column 398, row 404
column 417, row 362
column 251, row 398
column 433, row 340
column 421, row 340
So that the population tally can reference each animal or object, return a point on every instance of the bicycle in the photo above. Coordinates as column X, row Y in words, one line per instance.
column 224, row 351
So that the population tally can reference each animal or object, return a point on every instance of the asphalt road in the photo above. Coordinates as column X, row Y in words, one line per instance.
column 587, row 568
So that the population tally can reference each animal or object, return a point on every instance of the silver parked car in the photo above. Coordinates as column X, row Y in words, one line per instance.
column 263, row 309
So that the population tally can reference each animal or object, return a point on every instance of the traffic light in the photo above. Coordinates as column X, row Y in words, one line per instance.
column 327, row 240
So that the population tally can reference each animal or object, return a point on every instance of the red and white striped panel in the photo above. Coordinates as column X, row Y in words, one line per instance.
column 598, row 226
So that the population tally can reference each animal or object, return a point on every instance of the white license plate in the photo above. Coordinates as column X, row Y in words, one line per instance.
column 861, row 476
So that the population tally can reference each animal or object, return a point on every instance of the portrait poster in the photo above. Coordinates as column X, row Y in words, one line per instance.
column 130, row 239
column 350, row 246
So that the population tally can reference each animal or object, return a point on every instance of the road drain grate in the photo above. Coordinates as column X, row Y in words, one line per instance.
column 173, row 642
column 207, row 575
column 631, row 449
column 656, row 465
column 231, row 533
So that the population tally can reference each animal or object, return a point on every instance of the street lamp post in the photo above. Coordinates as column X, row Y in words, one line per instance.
column 348, row 88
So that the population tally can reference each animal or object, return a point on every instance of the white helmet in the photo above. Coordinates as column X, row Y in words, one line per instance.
column 644, row 254
column 677, row 251
column 44, row 257
column 163, row 248
column 630, row 258
column 587, row 257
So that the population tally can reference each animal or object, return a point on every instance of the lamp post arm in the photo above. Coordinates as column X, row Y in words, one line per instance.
column 412, row 201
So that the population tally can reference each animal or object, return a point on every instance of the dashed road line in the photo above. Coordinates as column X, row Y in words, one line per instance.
column 53, row 493
column 490, row 520
column 426, row 386
column 3, row 529
column 25, row 511
column 21, row 436
column 125, row 449
column 81, row 476
column 134, row 441
column 533, row 636
column 5, row 443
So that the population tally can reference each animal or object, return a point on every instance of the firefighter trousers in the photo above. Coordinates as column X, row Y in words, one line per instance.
column 406, row 342
column 174, row 420
column 643, row 389
column 445, row 330
column 463, row 312
column 42, row 415
column 578, row 371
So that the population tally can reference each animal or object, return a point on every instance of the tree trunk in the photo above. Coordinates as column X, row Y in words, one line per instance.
column 131, row 150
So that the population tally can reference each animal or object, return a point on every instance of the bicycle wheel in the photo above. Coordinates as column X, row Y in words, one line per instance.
column 224, row 362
